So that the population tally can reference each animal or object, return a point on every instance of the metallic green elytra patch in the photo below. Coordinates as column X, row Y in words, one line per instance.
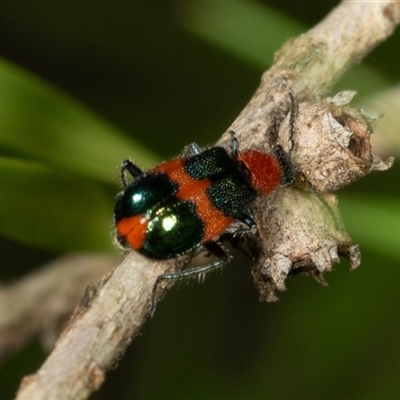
column 173, row 230
column 144, row 195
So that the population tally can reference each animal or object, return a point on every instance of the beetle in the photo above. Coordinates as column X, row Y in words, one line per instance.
column 189, row 201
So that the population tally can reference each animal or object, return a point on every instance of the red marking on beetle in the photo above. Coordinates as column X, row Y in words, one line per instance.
column 194, row 190
column 214, row 220
column 265, row 171
column 133, row 229
column 175, row 171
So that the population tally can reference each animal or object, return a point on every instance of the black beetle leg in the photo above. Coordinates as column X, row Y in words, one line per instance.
column 248, row 219
column 292, row 121
column 234, row 145
column 192, row 150
column 284, row 157
column 129, row 166
column 287, row 173
column 214, row 248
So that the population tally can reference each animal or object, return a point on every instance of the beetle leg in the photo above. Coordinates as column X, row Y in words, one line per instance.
column 192, row 150
column 284, row 157
column 292, row 121
column 129, row 166
column 234, row 145
column 247, row 218
column 249, row 245
column 287, row 173
column 214, row 248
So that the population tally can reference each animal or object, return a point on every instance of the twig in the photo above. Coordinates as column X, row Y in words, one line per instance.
column 40, row 302
column 107, row 319
column 105, row 323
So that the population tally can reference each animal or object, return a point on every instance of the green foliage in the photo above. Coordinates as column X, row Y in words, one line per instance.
column 44, row 207
column 56, row 152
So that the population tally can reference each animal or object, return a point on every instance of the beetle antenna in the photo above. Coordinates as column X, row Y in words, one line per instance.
column 234, row 144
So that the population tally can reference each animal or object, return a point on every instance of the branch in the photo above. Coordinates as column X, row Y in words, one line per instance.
column 107, row 319
column 111, row 315
column 40, row 302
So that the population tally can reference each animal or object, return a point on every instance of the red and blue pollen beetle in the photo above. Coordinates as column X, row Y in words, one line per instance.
column 189, row 201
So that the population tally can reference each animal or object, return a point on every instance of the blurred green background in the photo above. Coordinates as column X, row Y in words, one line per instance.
column 85, row 85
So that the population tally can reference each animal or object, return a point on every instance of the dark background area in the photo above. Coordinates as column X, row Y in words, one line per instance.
column 135, row 64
